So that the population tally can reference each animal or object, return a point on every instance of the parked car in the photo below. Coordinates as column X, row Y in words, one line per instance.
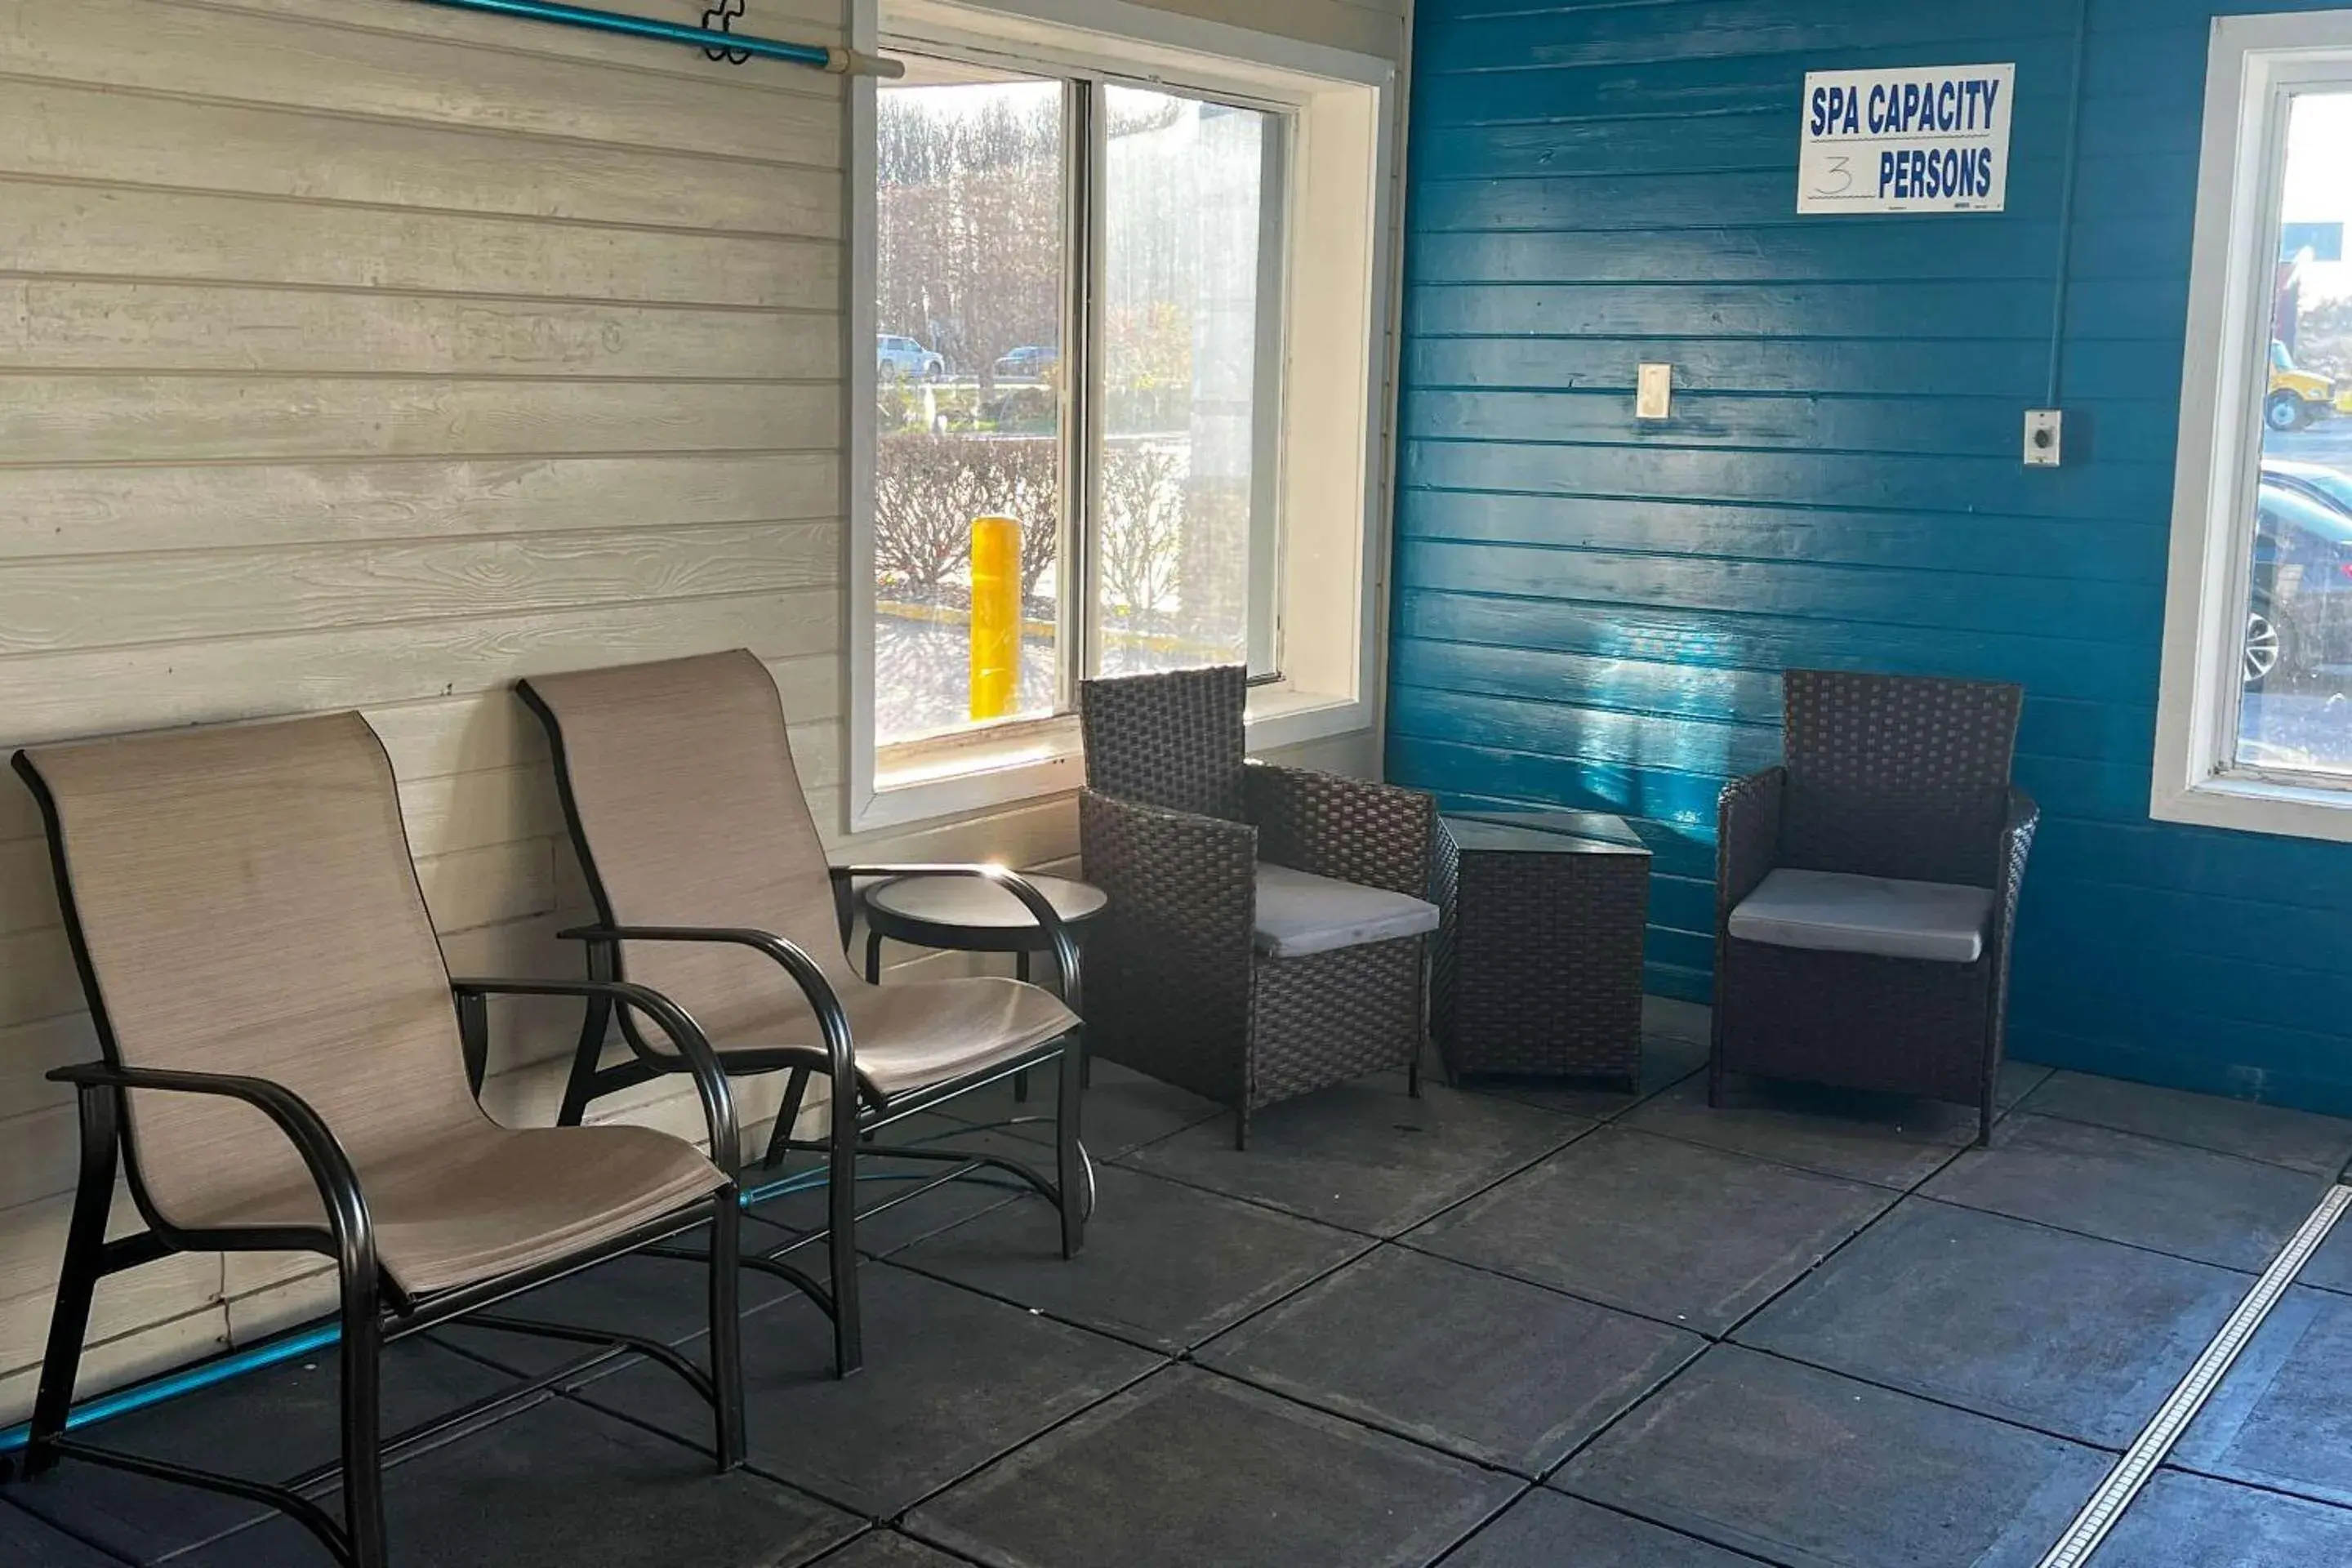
column 904, row 359
column 1030, row 362
column 2299, row 609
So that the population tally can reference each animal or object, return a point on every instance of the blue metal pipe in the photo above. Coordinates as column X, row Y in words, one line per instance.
column 155, row 1390
column 815, row 55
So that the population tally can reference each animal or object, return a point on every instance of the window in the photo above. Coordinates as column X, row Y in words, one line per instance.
column 1091, row 265
column 1130, row 494
column 2254, row 722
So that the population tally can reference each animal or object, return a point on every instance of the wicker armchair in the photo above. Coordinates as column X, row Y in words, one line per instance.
column 1190, row 977
column 1897, row 789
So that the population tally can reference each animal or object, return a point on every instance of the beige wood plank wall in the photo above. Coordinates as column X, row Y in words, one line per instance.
column 356, row 353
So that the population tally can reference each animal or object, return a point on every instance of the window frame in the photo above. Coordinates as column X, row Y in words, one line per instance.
column 2256, row 64
column 1341, row 104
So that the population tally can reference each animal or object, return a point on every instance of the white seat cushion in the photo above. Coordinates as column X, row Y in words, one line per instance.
column 1299, row 912
column 1832, row 911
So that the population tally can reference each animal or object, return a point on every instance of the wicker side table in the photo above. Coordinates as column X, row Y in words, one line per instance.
column 1538, row 963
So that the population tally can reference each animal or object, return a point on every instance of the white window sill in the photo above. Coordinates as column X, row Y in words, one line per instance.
column 2252, row 805
column 1031, row 761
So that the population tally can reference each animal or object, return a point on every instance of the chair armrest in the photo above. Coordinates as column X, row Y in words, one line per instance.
column 1041, row 909
column 693, row 1045
column 322, row 1154
column 1187, row 880
column 2017, row 830
column 1746, row 837
column 1378, row 835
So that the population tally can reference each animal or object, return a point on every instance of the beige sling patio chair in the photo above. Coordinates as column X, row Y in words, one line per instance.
column 711, row 886
column 288, row 1066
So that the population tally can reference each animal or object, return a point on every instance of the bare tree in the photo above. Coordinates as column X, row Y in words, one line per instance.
column 969, row 193
column 1143, row 503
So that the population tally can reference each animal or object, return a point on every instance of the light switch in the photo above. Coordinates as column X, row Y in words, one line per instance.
column 2044, row 427
column 1654, row 394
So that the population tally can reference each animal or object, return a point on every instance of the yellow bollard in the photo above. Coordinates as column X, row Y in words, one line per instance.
column 995, row 616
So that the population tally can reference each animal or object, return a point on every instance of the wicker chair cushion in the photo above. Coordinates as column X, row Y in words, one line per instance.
column 682, row 780
column 248, row 906
column 1300, row 913
column 1832, row 911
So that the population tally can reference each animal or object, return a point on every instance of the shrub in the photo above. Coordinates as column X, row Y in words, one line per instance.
column 928, row 489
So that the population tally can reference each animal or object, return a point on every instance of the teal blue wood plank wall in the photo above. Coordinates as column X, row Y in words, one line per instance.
column 1592, row 613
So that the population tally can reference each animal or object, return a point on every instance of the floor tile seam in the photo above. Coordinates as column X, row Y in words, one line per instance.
column 1942, row 1202
column 898, row 1520
column 42, row 1521
column 949, row 1553
column 1488, row 1466
column 1946, row 1164
column 1640, row 1099
column 1404, row 1239
column 1783, row 1164
column 1589, row 1127
column 2131, row 1473
column 1715, row 1342
column 2109, row 1449
column 1369, row 1245
column 2324, row 1172
column 2268, row 1488
column 749, row 1466
column 807, row 1238
column 328, row 1486
column 1406, row 1243
column 1463, row 1540
column 1622, row 1511
column 1000, row 1126
column 1270, row 1207
column 1383, row 1428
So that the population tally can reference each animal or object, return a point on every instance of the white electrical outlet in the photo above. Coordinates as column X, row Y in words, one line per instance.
column 2044, row 426
column 1654, row 393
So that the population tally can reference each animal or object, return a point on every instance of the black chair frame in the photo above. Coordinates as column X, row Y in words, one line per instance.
column 374, row 1311
column 858, row 1110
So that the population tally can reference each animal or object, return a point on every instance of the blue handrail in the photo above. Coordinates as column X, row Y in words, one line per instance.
column 822, row 56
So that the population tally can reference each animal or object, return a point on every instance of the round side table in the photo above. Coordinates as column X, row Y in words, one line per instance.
column 966, row 914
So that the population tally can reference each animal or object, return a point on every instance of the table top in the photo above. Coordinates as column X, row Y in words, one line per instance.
column 1544, row 833
column 979, row 905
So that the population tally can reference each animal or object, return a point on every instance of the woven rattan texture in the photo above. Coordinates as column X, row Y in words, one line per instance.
column 1174, row 739
column 1172, row 826
column 1539, row 962
column 1897, row 775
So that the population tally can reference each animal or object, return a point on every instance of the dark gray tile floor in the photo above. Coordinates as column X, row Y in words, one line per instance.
column 1511, row 1325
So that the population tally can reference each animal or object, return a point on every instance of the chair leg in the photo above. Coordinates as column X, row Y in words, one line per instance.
column 795, row 1090
column 77, row 1282
column 1412, row 1075
column 1984, row 1115
column 362, row 1434
column 1241, row 1130
column 727, row 1329
column 581, row 1087
column 841, row 1202
column 1070, row 1157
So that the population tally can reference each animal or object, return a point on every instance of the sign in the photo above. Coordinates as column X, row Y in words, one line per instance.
column 1925, row 139
column 2311, row 242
